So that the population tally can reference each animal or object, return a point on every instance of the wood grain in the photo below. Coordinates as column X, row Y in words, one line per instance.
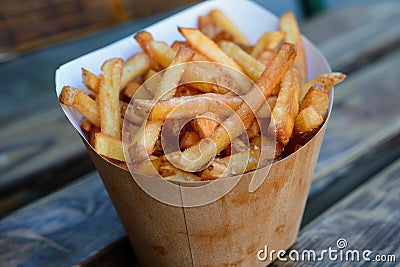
column 369, row 218
column 62, row 228
column 354, row 35
column 364, row 117
column 34, row 164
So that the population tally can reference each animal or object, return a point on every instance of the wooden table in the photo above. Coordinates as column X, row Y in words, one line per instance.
column 78, row 224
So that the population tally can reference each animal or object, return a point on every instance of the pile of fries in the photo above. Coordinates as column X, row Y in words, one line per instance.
column 180, row 89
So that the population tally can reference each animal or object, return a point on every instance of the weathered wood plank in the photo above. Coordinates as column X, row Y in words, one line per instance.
column 362, row 33
column 363, row 134
column 52, row 154
column 369, row 218
column 61, row 229
column 118, row 253
column 365, row 118
column 34, row 164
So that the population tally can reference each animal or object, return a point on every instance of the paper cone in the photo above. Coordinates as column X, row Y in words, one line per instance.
column 229, row 231
column 234, row 229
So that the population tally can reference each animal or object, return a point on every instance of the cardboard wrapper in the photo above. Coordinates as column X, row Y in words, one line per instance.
column 233, row 229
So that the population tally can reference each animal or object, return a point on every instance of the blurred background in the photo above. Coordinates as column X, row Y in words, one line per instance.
column 39, row 150
column 31, row 24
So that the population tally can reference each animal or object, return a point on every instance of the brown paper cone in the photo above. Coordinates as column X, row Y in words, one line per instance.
column 228, row 231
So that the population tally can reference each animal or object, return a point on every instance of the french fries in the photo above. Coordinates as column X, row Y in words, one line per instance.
column 171, row 77
column 206, row 124
column 267, row 41
column 288, row 25
column 327, row 81
column 177, row 108
column 81, row 102
column 90, row 80
column 307, row 120
column 318, row 98
column 109, row 146
column 134, row 67
column 286, row 107
column 231, row 127
column 231, row 106
column 207, row 47
column 250, row 65
column 226, row 25
column 108, row 99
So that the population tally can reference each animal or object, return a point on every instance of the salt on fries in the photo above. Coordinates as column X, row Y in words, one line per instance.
column 211, row 144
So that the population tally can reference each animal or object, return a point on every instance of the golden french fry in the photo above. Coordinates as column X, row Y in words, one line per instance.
column 81, row 102
column 288, row 24
column 131, row 89
column 172, row 75
column 207, row 47
column 206, row 124
column 250, row 65
column 90, row 80
column 267, row 41
column 207, row 26
column 143, row 142
column 108, row 98
column 189, row 138
column 210, row 77
column 237, row 145
column 177, row 44
column 129, row 130
column 87, row 106
column 164, row 54
column 307, row 120
column 265, row 111
column 223, row 36
column 159, row 51
column 109, row 146
column 265, row 56
column 199, row 104
column 165, row 168
column 92, row 136
column 270, row 148
column 149, row 167
column 149, row 74
column 182, row 176
column 86, row 125
column 135, row 66
column 215, row 170
column 337, row 77
column 317, row 98
column 128, row 112
column 327, row 81
column 286, row 107
column 253, row 130
column 262, row 151
column 225, row 24
column 186, row 90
